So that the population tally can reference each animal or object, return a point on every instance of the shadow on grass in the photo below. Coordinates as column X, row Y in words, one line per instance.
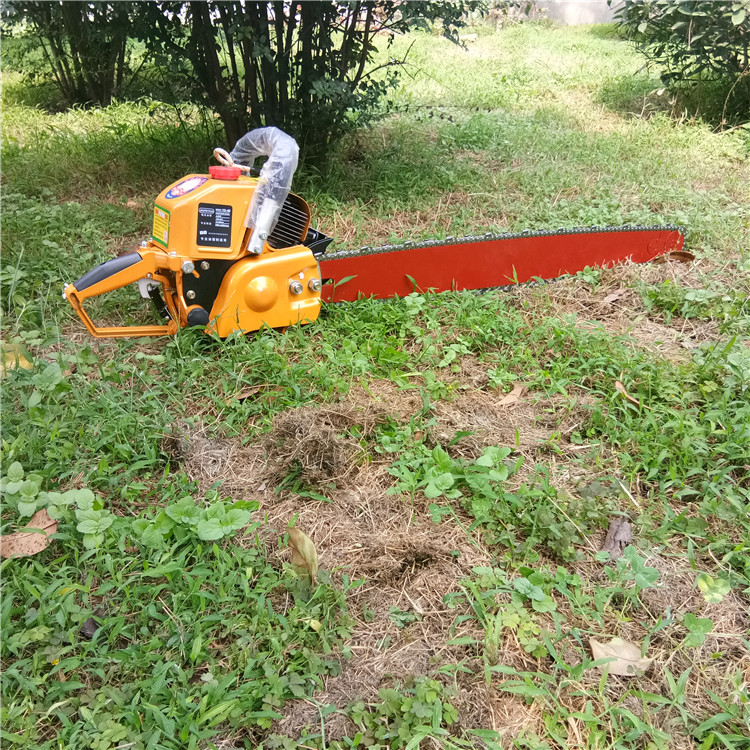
column 126, row 149
column 605, row 31
column 634, row 95
column 714, row 102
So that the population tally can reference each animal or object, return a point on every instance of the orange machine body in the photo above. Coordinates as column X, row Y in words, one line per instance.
column 197, row 259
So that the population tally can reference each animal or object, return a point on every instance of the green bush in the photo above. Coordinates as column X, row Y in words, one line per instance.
column 695, row 41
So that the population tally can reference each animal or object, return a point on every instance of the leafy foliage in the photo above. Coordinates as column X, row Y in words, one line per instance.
column 306, row 68
column 533, row 513
column 201, row 641
column 404, row 717
column 85, row 47
column 694, row 41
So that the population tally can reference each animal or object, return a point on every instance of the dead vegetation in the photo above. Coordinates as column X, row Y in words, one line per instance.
column 527, row 425
column 616, row 307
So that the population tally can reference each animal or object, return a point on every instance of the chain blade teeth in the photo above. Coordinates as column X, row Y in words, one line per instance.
column 497, row 237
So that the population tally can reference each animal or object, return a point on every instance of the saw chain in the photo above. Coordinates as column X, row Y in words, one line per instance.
column 491, row 260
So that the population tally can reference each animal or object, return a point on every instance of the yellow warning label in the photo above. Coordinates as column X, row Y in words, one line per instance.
column 160, row 232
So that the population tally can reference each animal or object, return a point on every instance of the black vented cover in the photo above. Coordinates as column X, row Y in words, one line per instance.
column 291, row 227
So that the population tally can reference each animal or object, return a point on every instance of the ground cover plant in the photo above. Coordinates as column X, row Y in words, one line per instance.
column 455, row 459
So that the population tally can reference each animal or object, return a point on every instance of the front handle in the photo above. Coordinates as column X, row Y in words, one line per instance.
column 115, row 274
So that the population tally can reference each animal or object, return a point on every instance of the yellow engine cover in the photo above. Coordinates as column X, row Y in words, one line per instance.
column 202, row 217
column 257, row 291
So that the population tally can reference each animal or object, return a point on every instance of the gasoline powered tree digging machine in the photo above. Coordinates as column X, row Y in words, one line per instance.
column 233, row 250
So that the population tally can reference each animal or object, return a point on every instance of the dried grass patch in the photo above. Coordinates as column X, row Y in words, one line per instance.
column 409, row 224
column 316, row 443
column 618, row 309
column 527, row 425
column 407, row 562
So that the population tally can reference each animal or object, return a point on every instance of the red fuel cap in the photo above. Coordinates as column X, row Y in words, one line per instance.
column 224, row 173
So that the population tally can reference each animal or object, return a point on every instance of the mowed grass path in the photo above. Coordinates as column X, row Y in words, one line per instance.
column 459, row 580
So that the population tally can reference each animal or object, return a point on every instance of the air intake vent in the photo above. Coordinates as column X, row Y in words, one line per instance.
column 291, row 228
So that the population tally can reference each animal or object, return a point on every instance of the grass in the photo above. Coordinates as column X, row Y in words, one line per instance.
column 460, row 581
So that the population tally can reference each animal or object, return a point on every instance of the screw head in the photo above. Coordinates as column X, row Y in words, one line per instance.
column 296, row 288
column 263, row 235
column 315, row 285
column 188, row 266
column 190, row 294
column 205, row 265
column 144, row 243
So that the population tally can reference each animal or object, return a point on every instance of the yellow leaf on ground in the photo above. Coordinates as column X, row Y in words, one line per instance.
column 24, row 542
column 625, row 656
column 304, row 554
column 13, row 357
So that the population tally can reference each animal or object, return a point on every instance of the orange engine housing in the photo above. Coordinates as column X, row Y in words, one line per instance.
column 198, row 259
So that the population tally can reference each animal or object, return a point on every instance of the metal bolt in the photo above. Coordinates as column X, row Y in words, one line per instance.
column 173, row 254
column 296, row 288
column 190, row 294
column 263, row 235
column 205, row 265
column 144, row 243
column 315, row 285
column 148, row 275
column 188, row 266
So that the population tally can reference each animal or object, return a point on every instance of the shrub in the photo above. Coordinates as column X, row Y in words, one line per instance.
column 695, row 41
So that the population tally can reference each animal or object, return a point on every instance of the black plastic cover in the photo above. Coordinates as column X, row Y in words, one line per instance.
column 317, row 241
column 106, row 269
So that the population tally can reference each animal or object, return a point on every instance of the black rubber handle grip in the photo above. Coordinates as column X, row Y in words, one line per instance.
column 106, row 269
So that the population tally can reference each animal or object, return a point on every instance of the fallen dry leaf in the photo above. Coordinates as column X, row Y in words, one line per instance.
column 89, row 628
column 617, row 294
column 633, row 400
column 254, row 390
column 518, row 390
column 682, row 256
column 23, row 543
column 304, row 554
column 619, row 535
column 626, row 657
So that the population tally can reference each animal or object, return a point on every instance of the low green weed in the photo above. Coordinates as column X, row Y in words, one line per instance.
column 23, row 493
column 728, row 307
column 184, row 518
column 512, row 613
column 192, row 639
column 404, row 718
column 534, row 512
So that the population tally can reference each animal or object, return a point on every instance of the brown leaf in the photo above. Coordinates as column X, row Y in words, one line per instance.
column 518, row 390
column 618, row 294
column 621, row 388
column 247, row 392
column 254, row 390
column 89, row 628
column 625, row 656
column 682, row 256
column 304, row 554
column 619, row 535
column 24, row 543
